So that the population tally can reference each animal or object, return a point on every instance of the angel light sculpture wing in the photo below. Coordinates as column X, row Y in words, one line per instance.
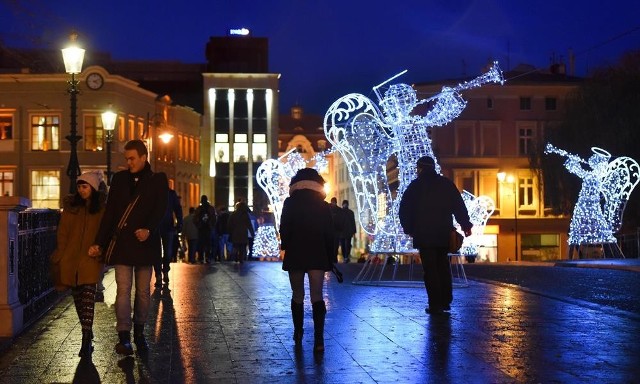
column 623, row 174
column 367, row 138
column 480, row 209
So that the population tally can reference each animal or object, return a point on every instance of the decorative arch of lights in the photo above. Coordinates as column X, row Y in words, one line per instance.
column 606, row 187
column 368, row 137
column 274, row 177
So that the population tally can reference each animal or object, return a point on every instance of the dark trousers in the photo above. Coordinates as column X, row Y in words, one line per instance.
column 192, row 247
column 345, row 246
column 437, row 276
column 164, row 265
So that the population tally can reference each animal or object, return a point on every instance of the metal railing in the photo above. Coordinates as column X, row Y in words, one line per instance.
column 36, row 241
column 630, row 244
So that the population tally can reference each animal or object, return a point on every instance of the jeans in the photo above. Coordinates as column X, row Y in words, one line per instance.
column 316, row 281
column 124, row 282
column 437, row 276
column 223, row 243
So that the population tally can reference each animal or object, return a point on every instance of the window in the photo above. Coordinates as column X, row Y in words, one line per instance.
column 6, row 127
column 221, row 148
column 121, row 130
column 525, row 103
column 6, row 183
column 240, row 148
column 45, row 189
column 489, row 103
column 259, row 147
column 93, row 133
column 550, row 103
column 525, row 140
column 132, row 130
column 180, row 147
column 525, row 191
column 45, row 133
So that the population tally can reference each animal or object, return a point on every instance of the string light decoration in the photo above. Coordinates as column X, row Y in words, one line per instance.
column 367, row 138
column 606, row 187
column 480, row 209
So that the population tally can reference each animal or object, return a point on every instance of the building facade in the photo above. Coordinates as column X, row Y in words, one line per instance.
column 240, row 120
column 35, row 119
column 494, row 136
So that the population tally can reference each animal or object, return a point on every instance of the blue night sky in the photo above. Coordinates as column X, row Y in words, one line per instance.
column 326, row 49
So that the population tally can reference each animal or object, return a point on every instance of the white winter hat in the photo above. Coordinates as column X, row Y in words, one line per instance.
column 93, row 178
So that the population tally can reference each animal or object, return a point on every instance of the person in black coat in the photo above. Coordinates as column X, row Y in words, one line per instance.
column 170, row 226
column 137, row 245
column 425, row 213
column 240, row 229
column 307, row 238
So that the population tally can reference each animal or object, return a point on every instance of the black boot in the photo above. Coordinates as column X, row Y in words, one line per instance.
column 86, row 349
column 297, row 313
column 319, row 310
column 139, row 339
column 124, row 344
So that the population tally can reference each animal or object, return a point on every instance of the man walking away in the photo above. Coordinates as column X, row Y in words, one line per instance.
column 426, row 210
column 170, row 226
column 205, row 221
column 190, row 231
column 348, row 231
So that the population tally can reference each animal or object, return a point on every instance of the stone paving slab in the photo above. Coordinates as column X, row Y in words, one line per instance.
column 229, row 323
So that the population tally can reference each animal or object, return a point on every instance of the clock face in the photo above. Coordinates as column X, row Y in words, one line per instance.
column 95, row 81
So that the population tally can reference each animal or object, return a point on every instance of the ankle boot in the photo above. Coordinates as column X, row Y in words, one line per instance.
column 86, row 349
column 319, row 311
column 124, row 344
column 139, row 339
column 297, row 313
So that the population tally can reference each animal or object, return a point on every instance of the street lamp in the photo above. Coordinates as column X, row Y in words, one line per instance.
column 73, row 56
column 109, row 124
column 510, row 179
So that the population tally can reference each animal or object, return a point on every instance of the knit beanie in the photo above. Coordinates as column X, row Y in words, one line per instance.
column 93, row 178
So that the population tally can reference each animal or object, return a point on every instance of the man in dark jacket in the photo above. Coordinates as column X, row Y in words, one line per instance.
column 348, row 231
column 170, row 226
column 205, row 220
column 426, row 210
column 133, row 215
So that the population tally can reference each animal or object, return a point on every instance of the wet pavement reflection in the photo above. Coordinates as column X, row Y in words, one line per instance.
column 230, row 323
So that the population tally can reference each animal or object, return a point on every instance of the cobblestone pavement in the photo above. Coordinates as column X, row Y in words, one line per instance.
column 229, row 323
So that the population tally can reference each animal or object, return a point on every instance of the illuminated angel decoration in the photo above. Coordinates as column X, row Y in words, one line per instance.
column 367, row 138
column 480, row 209
column 606, row 187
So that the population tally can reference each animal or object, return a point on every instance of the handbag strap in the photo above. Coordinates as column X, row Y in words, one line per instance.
column 127, row 212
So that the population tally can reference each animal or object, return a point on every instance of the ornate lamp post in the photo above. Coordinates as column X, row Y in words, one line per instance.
column 73, row 56
column 109, row 124
column 510, row 179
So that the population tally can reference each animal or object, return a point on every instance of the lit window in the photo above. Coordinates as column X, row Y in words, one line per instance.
column 240, row 152
column 93, row 133
column 222, row 138
column 45, row 133
column 259, row 152
column 6, row 127
column 240, row 138
column 6, row 183
column 221, row 151
column 259, row 138
column 45, row 189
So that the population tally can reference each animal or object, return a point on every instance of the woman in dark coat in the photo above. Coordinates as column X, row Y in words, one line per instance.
column 72, row 266
column 307, row 237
